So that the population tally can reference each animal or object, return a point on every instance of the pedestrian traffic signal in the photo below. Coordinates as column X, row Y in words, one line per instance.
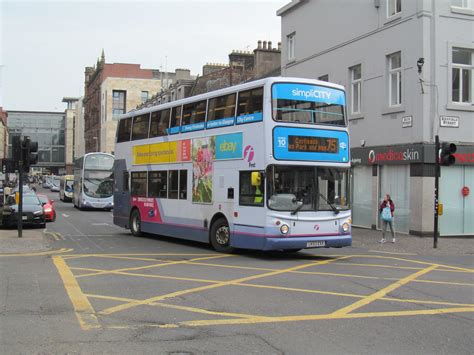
column 446, row 157
column 30, row 152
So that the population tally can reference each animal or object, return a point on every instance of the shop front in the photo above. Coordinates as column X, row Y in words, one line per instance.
column 406, row 173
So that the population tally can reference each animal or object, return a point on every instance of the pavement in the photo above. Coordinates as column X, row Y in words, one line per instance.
column 39, row 240
column 411, row 244
column 33, row 240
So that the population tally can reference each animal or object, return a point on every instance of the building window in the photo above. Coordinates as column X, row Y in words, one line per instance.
column 324, row 77
column 118, row 103
column 393, row 7
column 290, row 42
column 463, row 4
column 395, row 79
column 356, row 89
column 462, row 71
column 144, row 96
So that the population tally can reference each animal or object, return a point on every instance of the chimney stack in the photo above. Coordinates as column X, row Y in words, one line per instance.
column 259, row 46
column 269, row 45
column 264, row 44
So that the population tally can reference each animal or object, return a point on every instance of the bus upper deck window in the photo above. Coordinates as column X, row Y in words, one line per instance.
column 250, row 101
column 140, row 127
column 176, row 113
column 160, row 121
column 124, row 130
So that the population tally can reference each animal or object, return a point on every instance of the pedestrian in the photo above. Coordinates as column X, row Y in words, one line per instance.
column 386, row 210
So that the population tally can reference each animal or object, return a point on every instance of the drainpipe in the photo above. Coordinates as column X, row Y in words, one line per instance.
column 434, row 88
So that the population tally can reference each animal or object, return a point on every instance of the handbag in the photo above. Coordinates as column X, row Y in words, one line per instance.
column 386, row 214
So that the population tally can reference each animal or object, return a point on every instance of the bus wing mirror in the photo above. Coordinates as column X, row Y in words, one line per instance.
column 255, row 178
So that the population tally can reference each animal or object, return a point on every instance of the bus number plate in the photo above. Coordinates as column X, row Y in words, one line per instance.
column 319, row 243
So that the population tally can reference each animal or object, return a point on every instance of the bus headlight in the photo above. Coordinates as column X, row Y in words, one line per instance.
column 284, row 229
column 345, row 227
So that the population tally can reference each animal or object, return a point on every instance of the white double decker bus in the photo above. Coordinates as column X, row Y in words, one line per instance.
column 262, row 165
column 93, row 181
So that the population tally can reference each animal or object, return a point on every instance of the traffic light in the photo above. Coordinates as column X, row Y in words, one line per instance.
column 16, row 148
column 30, row 153
column 446, row 157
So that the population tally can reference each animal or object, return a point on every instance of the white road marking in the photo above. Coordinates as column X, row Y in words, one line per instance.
column 100, row 224
column 65, row 215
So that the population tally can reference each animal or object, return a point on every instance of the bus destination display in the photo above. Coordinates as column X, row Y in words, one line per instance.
column 313, row 144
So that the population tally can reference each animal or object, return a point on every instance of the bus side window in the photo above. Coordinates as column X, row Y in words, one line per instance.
column 125, row 181
column 139, row 184
column 221, row 108
column 140, row 127
column 160, row 121
column 250, row 102
column 183, row 184
column 175, row 120
column 124, row 130
column 193, row 114
column 157, row 184
column 173, row 184
column 250, row 190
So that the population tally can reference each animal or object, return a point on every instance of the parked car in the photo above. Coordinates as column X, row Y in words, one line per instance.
column 48, row 208
column 32, row 211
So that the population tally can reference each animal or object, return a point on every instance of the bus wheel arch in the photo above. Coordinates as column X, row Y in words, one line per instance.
column 219, row 234
column 135, row 222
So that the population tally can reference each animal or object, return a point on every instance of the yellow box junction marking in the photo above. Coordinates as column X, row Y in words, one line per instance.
column 88, row 320
column 83, row 309
column 209, row 287
column 381, row 293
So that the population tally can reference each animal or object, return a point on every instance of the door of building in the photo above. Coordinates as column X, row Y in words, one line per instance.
column 395, row 181
column 457, row 209
column 362, row 196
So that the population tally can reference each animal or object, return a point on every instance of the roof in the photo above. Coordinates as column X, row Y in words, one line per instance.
column 290, row 6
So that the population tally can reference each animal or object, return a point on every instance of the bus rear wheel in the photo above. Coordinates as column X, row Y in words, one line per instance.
column 136, row 223
column 220, row 236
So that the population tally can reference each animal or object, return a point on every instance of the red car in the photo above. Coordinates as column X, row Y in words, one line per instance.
column 48, row 208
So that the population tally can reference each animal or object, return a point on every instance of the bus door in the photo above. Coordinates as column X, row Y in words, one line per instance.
column 121, row 193
column 249, row 219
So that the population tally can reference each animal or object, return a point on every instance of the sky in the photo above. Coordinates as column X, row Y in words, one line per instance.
column 46, row 45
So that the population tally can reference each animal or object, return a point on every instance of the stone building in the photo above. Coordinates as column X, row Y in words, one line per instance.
column 71, row 118
column 111, row 90
column 243, row 66
column 3, row 134
column 408, row 67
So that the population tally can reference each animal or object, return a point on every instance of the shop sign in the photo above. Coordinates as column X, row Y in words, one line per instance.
column 392, row 155
column 464, row 158
column 449, row 121
column 407, row 121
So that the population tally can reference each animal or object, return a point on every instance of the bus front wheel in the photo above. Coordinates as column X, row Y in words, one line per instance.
column 220, row 236
column 136, row 223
